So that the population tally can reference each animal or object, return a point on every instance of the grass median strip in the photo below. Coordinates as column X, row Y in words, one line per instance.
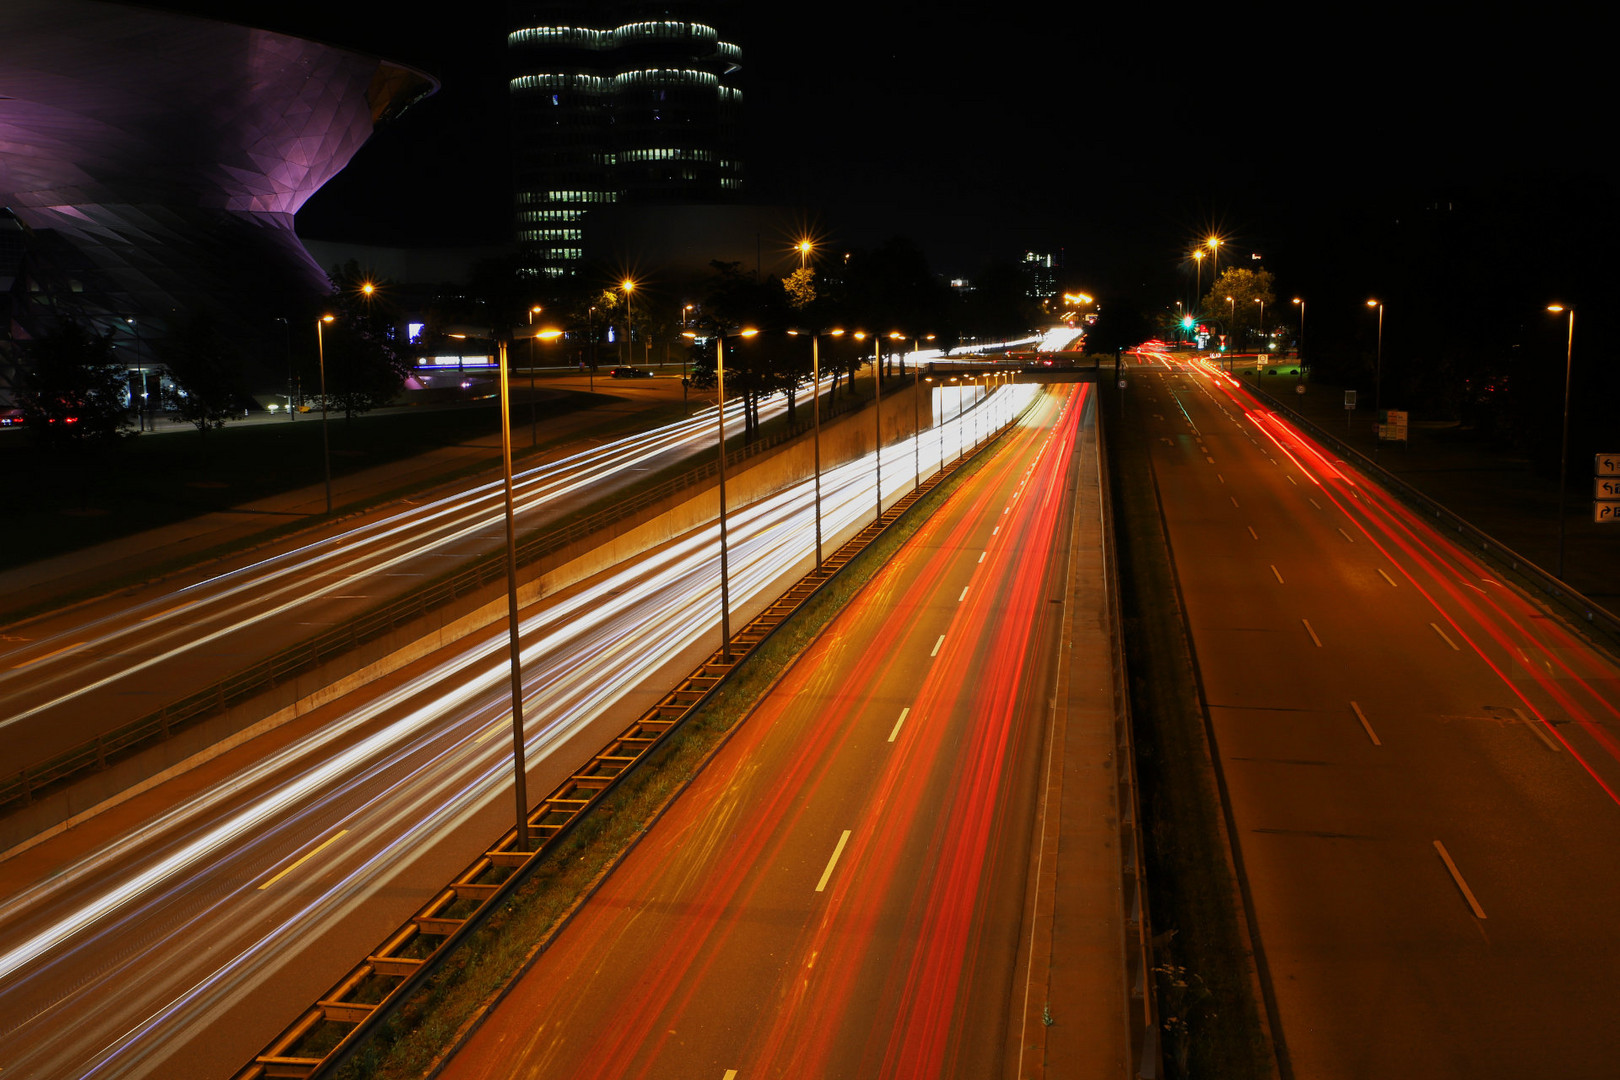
column 417, row 1035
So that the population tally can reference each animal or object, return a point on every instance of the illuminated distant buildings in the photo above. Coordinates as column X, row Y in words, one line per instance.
column 616, row 102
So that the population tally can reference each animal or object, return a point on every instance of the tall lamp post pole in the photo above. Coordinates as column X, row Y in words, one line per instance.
column 1378, row 379
column 326, row 446
column 518, row 769
column 877, row 402
column 720, row 416
column 1563, row 442
column 534, row 418
column 1299, row 353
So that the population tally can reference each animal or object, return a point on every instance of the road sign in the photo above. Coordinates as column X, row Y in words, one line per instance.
column 1122, row 384
column 1349, row 400
column 1606, row 513
column 1608, row 488
column 1606, row 464
column 1299, row 388
column 1392, row 426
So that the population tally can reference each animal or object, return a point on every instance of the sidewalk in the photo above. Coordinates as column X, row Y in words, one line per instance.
column 1494, row 490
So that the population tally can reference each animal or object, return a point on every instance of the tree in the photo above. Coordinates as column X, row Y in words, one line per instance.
column 364, row 366
column 800, row 287
column 1235, row 299
column 207, row 369
column 70, row 389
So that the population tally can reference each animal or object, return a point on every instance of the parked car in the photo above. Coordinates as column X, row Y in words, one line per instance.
column 630, row 373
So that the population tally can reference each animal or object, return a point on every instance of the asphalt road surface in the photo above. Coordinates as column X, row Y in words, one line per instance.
column 1422, row 763
column 842, row 891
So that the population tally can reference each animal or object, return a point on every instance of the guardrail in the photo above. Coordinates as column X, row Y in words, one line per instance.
column 1555, row 589
column 21, row 787
column 332, row 1028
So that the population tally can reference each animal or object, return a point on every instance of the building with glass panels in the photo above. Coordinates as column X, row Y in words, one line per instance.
column 617, row 103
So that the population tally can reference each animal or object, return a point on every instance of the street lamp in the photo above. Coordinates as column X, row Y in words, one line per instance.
column 1198, row 261
column 1563, row 443
column 534, row 419
column 629, row 287
column 720, row 414
column 1214, row 243
column 326, row 447
column 1378, row 378
column 1299, row 353
column 815, row 409
column 877, row 410
column 518, row 768
column 1231, row 332
column 804, row 248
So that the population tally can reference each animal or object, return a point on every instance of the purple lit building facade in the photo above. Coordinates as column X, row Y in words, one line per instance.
column 151, row 164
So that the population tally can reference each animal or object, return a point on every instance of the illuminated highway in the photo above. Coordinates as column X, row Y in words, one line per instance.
column 841, row 892
column 177, row 934
column 1422, row 763
column 67, row 678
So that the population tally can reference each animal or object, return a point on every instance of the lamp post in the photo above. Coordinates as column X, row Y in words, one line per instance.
column 720, row 415
column 877, row 410
column 1563, row 442
column 534, row 419
column 815, row 409
column 1299, row 353
column 326, row 447
column 1214, row 243
column 1262, row 329
column 1231, row 332
column 1378, row 378
column 916, row 406
column 629, row 287
column 1198, row 263
column 518, row 768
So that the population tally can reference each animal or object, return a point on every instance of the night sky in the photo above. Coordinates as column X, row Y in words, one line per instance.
column 1115, row 138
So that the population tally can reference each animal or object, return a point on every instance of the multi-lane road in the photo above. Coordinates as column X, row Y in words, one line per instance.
column 1421, row 763
column 176, row 934
column 68, row 677
column 843, row 891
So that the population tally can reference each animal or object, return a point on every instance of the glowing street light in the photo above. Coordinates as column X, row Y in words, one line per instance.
column 720, row 415
column 628, row 285
column 1299, row 355
column 534, row 418
column 326, row 448
column 805, row 248
column 518, row 768
column 815, row 409
column 1563, row 443
column 1378, row 378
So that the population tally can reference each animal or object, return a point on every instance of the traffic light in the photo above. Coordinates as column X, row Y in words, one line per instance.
column 1186, row 322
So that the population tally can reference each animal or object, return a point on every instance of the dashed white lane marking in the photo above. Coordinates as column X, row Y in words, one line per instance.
column 1347, row 536
column 1313, row 502
column 1365, row 726
column 1277, row 572
column 1444, row 638
column 982, row 554
column 1456, row 875
column 1311, row 631
column 905, row 712
column 826, row 875
column 1387, row 578
column 963, row 597
column 937, row 644
column 1253, row 533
